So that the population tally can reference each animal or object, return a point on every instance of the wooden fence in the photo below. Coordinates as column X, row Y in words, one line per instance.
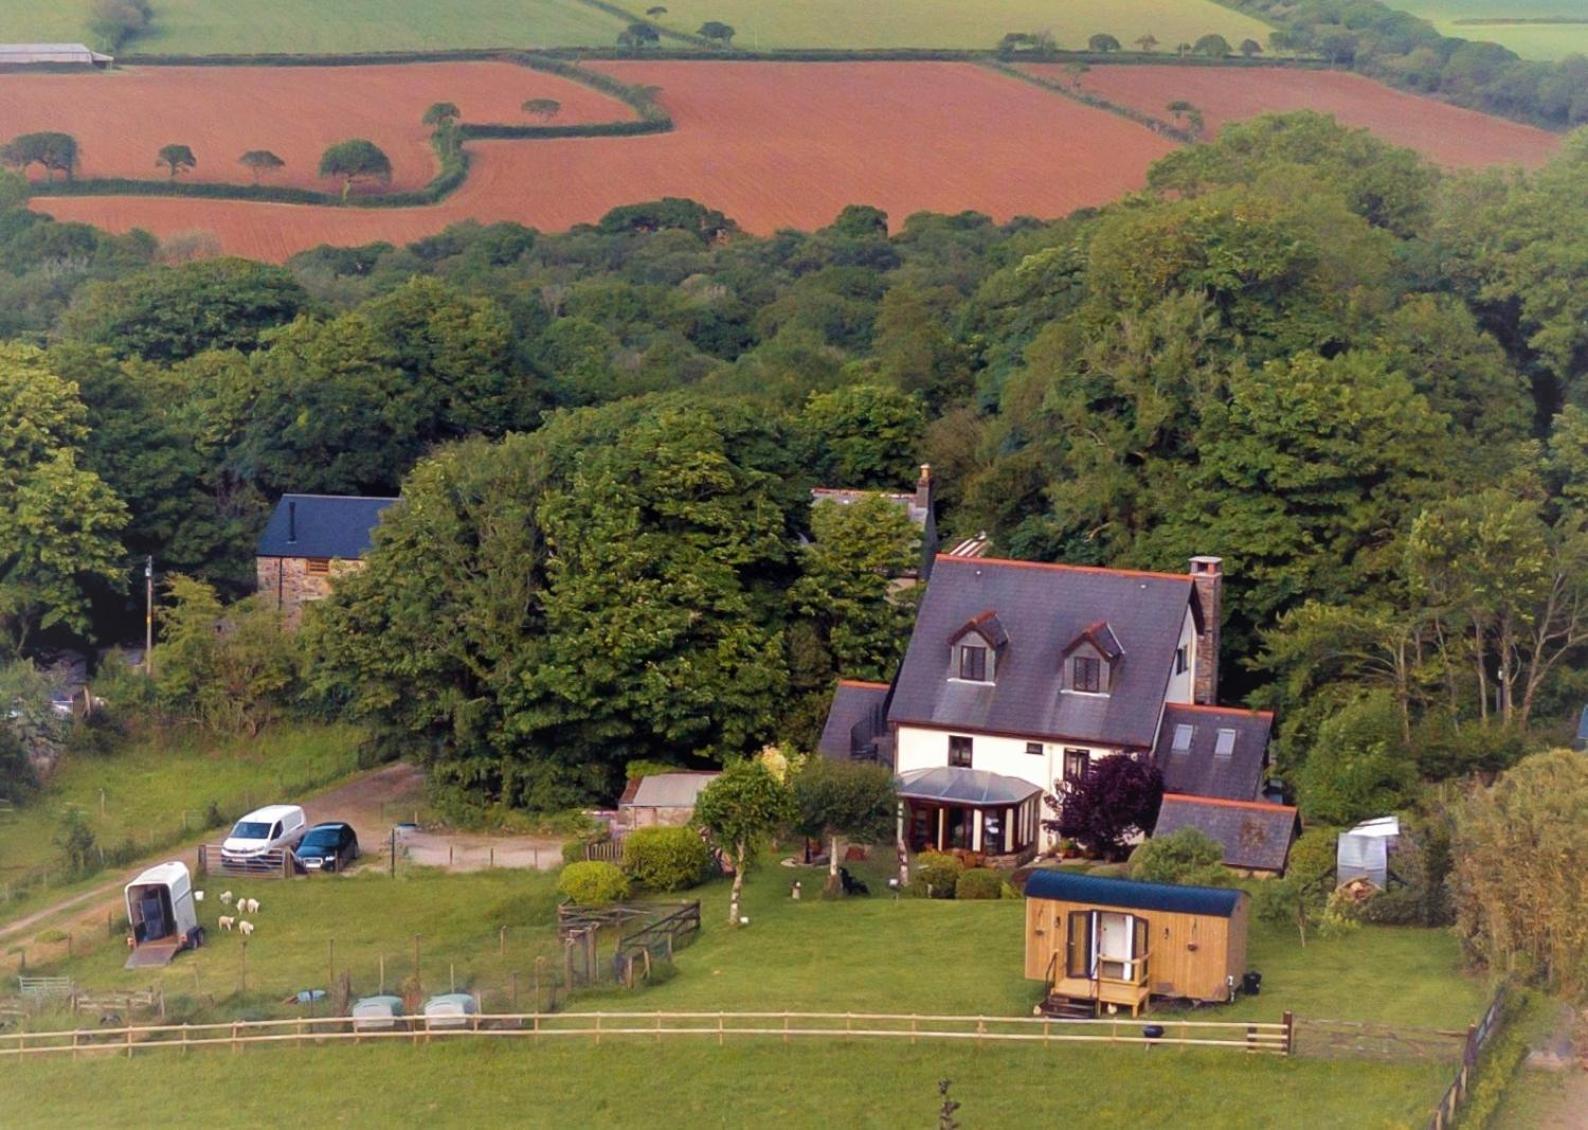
column 1251, row 1038
column 1478, row 1035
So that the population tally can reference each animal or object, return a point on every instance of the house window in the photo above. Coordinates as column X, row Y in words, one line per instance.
column 1075, row 763
column 318, row 566
column 1034, row 749
column 1182, row 738
column 1225, row 746
column 1181, row 660
column 973, row 663
column 1088, row 673
column 959, row 751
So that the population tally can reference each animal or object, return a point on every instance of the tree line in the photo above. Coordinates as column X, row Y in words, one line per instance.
column 1357, row 378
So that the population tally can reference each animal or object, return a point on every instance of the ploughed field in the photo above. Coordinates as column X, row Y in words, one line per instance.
column 121, row 118
column 1448, row 135
column 771, row 144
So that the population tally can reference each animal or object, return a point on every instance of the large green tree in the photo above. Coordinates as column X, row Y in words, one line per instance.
column 59, row 522
column 742, row 807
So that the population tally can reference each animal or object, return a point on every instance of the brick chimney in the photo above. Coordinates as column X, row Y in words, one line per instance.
column 1207, row 575
column 923, row 487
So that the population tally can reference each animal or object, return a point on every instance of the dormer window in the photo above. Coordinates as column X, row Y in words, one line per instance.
column 977, row 649
column 1086, row 674
column 1092, row 660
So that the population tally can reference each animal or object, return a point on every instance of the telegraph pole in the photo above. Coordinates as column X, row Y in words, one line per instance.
column 148, row 616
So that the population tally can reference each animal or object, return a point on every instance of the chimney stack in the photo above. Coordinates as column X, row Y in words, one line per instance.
column 292, row 522
column 1207, row 575
column 923, row 487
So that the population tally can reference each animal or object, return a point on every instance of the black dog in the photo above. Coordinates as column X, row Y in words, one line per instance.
column 852, row 886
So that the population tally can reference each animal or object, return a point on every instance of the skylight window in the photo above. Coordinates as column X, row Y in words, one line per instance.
column 1182, row 738
column 1225, row 746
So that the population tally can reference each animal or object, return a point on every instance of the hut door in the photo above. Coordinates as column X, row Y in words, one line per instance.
column 1081, row 957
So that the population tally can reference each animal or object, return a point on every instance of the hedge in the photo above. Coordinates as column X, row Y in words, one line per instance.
column 666, row 859
column 595, row 883
column 979, row 883
column 1097, row 101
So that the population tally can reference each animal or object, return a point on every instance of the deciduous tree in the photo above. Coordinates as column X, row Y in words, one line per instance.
column 355, row 160
column 744, row 806
column 260, row 161
column 843, row 802
column 176, row 158
column 1118, row 797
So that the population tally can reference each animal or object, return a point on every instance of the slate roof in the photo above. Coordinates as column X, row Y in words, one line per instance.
column 1256, row 836
column 905, row 501
column 1201, row 770
column 321, row 525
column 1067, row 886
column 964, row 786
column 669, row 790
column 853, row 702
column 1044, row 608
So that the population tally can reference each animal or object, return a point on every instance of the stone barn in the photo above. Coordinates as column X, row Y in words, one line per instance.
column 310, row 539
column 662, row 799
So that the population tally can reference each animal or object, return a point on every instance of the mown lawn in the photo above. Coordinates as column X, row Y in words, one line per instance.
column 638, row 1084
column 1531, row 41
column 957, row 23
column 153, row 789
column 203, row 27
column 875, row 954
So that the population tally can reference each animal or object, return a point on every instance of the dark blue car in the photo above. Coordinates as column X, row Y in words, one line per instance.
column 327, row 847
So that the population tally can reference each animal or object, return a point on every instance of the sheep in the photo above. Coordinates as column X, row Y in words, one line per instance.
column 225, row 922
column 249, row 905
column 226, row 897
column 245, row 928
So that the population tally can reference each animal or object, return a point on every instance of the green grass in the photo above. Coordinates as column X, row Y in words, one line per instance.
column 873, row 954
column 766, row 24
column 687, row 1084
column 202, row 27
column 153, row 786
column 1531, row 41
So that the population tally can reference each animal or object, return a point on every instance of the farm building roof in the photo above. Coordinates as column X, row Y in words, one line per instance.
column 322, row 525
column 964, row 786
column 1255, row 836
column 669, row 790
column 1044, row 608
column 854, row 703
column 49, row 53
column 1066, row 886
column 1215, row 751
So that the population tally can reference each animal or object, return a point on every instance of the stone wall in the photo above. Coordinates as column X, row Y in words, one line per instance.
column 289, row 584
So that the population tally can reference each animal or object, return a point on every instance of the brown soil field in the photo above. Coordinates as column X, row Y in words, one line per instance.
column 121, row 119
column 1445, row 134
column 771, row 144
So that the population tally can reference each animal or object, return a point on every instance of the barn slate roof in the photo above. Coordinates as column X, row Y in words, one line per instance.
column 670, row 790
column 1200, row 770
column 853, row 702
column 1044, row 608
column 1067, row 886
column 321, row 525
column 1255, row 836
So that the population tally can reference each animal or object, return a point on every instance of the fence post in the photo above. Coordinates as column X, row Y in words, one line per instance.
column 719, row 1029
column 203, row 867
column 598, row 1030
column 394, row 851
column 1290, row 1032
column 129, row 1038
column 785, row 1027
column 286, row 863
column 501, row 942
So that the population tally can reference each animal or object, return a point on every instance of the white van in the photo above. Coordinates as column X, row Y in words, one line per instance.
column 272, row 828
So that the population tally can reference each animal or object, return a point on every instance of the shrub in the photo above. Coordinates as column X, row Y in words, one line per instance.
column 979, row 883
column 593, row 884
column 666, row 859
column 937, row 873
column 574, row 850
column 1186, row 855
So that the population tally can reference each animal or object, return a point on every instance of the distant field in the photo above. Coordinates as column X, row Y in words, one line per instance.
column 1531, row 41
column 764, row 24
column 121, row 119
column 771, row 144
column 201, row 27
column 1446, row 134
